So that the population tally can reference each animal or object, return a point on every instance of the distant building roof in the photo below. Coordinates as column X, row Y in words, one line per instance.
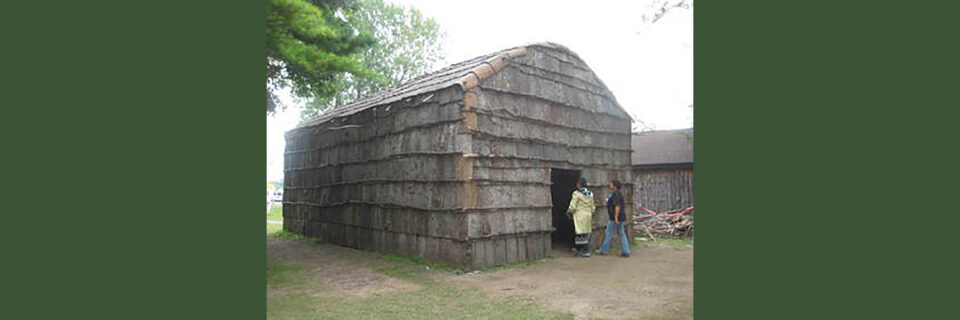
column 663, row 147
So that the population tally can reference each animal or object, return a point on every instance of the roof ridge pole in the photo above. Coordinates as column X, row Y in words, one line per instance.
column 488, row 68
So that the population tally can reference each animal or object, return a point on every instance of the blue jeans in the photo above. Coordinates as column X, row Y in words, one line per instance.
column 608, row 236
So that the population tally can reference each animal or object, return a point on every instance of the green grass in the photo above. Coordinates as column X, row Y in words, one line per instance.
column 409, row 266
column 680, row 242
column 663, row 241
column 276, row 231
column 295, row 295
column 281, row 274
column 276, row 213
column 286, row 235
column 273, row 228
column 521, row 264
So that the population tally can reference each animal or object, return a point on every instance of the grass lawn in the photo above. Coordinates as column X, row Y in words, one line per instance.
column 663, row 241
column 294, row 294
column 276, row 213
column 273, row 228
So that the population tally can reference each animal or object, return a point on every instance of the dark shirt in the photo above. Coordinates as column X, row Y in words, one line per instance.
column 616, row 199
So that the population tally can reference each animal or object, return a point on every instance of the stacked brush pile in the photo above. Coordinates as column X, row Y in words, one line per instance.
column 677, row 223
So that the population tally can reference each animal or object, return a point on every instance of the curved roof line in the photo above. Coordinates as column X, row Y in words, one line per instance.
column 467, row 74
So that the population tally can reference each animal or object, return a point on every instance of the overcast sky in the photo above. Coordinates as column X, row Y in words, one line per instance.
column 649, row 68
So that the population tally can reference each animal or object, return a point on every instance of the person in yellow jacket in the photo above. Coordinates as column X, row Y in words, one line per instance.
column 581, row 209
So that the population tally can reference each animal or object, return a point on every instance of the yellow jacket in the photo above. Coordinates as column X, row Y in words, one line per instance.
column 582, row 207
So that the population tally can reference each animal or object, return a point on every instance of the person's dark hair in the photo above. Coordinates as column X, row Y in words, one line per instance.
column 616, row 183
column 582, row 182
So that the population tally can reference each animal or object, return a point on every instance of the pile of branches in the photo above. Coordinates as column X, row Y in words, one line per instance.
column 678, row 223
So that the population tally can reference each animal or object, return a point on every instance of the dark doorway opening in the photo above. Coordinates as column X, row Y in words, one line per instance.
column 563, row 183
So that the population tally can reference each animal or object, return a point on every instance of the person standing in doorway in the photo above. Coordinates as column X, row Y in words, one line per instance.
column 615, row 210
column 581, row 210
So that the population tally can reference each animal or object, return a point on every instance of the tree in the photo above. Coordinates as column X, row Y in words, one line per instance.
column 640, row 125
column 309, row 45
column 655, row 11
column 407, row 45
column 659, row 8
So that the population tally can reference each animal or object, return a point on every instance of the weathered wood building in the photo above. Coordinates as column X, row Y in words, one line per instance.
column 472, row 165
column 663, row 169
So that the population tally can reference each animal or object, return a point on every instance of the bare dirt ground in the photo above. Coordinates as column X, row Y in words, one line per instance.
column 655, row 283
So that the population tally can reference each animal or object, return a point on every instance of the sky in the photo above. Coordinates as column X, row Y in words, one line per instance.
column 648, row 67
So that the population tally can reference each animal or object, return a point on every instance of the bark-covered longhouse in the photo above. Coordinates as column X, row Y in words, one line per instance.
column 467, row 166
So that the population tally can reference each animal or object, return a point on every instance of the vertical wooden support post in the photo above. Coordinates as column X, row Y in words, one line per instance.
column 464, row 171
column 468, row 110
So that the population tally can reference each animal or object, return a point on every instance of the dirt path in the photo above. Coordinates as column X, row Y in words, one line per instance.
column 656, row 282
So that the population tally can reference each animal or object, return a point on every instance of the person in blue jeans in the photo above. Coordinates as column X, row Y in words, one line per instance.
column 618, row 217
